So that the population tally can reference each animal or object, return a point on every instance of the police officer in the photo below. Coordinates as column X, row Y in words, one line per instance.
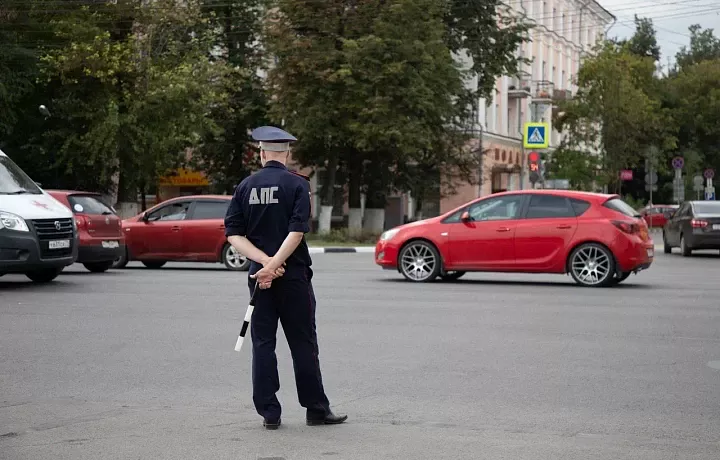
column 266, row 221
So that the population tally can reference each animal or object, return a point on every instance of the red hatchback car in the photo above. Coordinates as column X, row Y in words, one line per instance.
column 598, row 239
column 101, row 237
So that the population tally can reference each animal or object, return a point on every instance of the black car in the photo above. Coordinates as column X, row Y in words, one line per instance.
column 694, row 226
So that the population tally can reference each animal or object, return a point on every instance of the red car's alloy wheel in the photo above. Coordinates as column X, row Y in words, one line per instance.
column 592, row 265
column 419, row 261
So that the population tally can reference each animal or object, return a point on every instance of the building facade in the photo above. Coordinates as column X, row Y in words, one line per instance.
column 564, row 32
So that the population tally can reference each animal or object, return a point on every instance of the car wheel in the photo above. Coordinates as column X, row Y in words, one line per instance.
column 154, row 263
column 233, row 260
column 121, row 261
column 666, row 247
column 419, row 262
column 684, row 249
column 452, row 276
column 592, row 265
column 98, row 267
column 44, row 276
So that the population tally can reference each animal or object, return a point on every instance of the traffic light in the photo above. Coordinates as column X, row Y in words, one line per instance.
column 534, row 166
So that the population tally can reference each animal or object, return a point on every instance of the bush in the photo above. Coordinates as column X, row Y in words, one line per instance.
column 343, row 235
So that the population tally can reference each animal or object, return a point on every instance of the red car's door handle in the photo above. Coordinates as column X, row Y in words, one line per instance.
column 503, row 229
column 564, row 227
column 175, row 229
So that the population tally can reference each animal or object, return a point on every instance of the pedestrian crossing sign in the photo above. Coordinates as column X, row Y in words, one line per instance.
column 536, row 135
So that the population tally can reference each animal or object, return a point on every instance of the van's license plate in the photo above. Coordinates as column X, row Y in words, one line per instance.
column 716, row 226
column 110, row 244
column 650, row 252
column 59, row 244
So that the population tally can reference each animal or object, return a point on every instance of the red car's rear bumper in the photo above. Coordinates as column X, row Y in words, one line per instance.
column 633, row 254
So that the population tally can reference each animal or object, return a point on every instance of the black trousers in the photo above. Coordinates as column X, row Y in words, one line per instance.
column 290, row 300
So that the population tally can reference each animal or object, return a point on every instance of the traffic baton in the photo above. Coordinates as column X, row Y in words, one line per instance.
column 246, row 322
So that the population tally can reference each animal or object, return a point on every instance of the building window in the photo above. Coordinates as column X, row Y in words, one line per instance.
column 564, row 25
column 563, row 82
column 504, row 156
column 555, row 20
column 544, row 70
column 497, row 154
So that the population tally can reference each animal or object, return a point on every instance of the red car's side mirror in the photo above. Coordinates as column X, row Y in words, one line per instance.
column 465, row 216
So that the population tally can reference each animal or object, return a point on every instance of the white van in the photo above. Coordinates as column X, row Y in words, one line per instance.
column 38, row 235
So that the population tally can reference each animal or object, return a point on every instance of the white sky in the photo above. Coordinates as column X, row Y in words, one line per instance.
column 671, row 19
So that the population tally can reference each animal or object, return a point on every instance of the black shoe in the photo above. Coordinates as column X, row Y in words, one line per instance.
column 271, row 424
column 328, row 419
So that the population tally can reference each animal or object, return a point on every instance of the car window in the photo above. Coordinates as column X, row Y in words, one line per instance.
column 616, row 204
column 13, row 181
column 500, row 208
column 210, row 210
column 548, row 206
column 579, row 206
column 87, row 204
column 175, row 211
column 683, row 211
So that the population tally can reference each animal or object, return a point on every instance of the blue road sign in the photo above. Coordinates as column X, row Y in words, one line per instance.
column 536, row 135
column 710, row 195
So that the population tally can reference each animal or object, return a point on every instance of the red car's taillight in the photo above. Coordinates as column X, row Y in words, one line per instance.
column 697, row 223
column 81, row 222
column 627, row 227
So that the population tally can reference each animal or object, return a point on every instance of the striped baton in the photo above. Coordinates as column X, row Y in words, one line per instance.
column 246, row 322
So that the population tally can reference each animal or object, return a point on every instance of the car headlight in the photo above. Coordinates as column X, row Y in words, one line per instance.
column 388, row 235
column 13, row 222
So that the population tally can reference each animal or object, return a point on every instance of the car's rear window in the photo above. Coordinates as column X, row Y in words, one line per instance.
column 86, row 204
column 707, row 207
column 616, row 204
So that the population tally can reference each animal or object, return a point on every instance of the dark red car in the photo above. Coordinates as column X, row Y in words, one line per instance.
column 656, row 215
column 183, row 229
column 598, row 239
column 99, row 228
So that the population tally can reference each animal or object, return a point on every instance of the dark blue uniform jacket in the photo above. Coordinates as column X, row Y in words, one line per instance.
column 268, row 205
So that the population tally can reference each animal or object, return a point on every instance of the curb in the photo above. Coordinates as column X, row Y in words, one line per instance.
column 342, row 250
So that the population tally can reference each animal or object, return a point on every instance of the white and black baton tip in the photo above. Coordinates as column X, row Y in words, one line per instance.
column 246, row 323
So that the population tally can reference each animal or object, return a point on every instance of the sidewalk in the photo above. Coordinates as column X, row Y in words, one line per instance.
column 340, row 249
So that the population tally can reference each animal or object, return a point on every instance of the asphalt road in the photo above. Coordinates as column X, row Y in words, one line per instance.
column 139, row 364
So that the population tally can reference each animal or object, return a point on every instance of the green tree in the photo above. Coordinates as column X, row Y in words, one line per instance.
column 644, row 40
column 372, row 86
column 132, row 103
column 230, row 156
column 617, row 112
column 704, row 46
column 694, row 98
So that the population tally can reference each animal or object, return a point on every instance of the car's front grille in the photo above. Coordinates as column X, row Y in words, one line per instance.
column 53, row 230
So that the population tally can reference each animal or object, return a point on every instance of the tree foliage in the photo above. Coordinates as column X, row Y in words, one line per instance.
column 375, row 86
column 704, row 46
column 228, row 157
column 131, row 99
column 617, row 111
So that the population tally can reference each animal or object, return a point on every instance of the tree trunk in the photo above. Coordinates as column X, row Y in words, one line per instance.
column 326, row 205
column 354, row 196
column 374, row 221
column 126, row 198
